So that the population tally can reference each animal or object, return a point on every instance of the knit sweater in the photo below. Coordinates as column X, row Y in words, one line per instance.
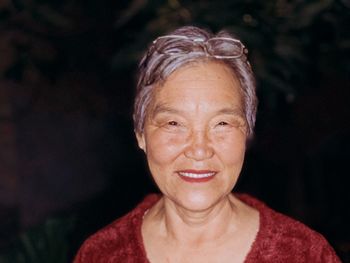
column 279, row 239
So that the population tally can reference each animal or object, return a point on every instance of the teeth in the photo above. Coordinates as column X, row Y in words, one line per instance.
column 193, row 175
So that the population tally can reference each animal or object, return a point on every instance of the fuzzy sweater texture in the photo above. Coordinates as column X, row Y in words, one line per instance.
column 279, row 239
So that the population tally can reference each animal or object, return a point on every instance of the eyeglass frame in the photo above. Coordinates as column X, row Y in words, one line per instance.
column 198, row 40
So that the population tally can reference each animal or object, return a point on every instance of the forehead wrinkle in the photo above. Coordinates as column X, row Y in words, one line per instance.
column 161, row 103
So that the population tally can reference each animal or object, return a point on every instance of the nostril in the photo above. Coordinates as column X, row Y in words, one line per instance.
column 199, row 148
column 199, row 153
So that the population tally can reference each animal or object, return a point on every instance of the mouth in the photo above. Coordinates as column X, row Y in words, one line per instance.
column 196, row 176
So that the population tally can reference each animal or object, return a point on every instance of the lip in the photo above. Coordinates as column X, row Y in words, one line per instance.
column 196, row 176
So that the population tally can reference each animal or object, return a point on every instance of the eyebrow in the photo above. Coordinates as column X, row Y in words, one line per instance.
column 161, row 108
column 232, row 111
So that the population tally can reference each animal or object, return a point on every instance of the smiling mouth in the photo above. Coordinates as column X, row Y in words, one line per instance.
column 196, row 176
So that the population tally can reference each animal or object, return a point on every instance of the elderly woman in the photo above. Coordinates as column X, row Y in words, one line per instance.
column 194, row 111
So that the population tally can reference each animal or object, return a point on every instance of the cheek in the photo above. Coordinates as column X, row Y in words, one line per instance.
column 231, row 148
column 163, row 148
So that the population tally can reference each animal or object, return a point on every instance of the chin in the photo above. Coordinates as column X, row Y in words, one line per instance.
column 198, row 201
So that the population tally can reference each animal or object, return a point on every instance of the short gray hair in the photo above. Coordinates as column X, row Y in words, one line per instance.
column 156, row 67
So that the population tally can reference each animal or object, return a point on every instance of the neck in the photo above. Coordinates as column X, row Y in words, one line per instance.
column 198, row 227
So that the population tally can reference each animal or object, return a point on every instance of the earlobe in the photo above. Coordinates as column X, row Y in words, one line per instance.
column 141, row 141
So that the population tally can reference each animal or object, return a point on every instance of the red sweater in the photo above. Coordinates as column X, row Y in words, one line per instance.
column 279, row 239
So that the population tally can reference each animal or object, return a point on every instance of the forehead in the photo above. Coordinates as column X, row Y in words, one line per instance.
column 197, row 82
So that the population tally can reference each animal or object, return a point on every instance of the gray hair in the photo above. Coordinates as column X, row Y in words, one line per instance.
column 155, row 67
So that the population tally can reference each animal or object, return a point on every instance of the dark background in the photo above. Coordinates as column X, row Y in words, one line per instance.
column 68, row 158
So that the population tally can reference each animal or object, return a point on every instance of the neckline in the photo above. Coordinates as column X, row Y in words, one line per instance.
column 249, row 200
column 152, row 199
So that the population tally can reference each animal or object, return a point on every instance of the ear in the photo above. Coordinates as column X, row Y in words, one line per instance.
column 141, row 140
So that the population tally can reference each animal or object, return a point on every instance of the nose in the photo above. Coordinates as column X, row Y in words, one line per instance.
column 199, row 146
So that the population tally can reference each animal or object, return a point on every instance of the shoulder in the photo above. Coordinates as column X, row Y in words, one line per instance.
column 120, row 239
column 283, row 238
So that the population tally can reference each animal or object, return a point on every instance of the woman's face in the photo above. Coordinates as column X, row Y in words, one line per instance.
column 194, row 135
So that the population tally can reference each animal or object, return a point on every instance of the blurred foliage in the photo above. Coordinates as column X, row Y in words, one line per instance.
column 49, row 242
column 290, row 42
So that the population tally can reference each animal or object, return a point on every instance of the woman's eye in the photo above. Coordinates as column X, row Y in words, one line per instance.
column 173, row 123
column 222, row 123
column 174, row 126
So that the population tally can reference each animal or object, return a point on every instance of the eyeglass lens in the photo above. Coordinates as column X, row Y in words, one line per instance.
column 224, row 47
